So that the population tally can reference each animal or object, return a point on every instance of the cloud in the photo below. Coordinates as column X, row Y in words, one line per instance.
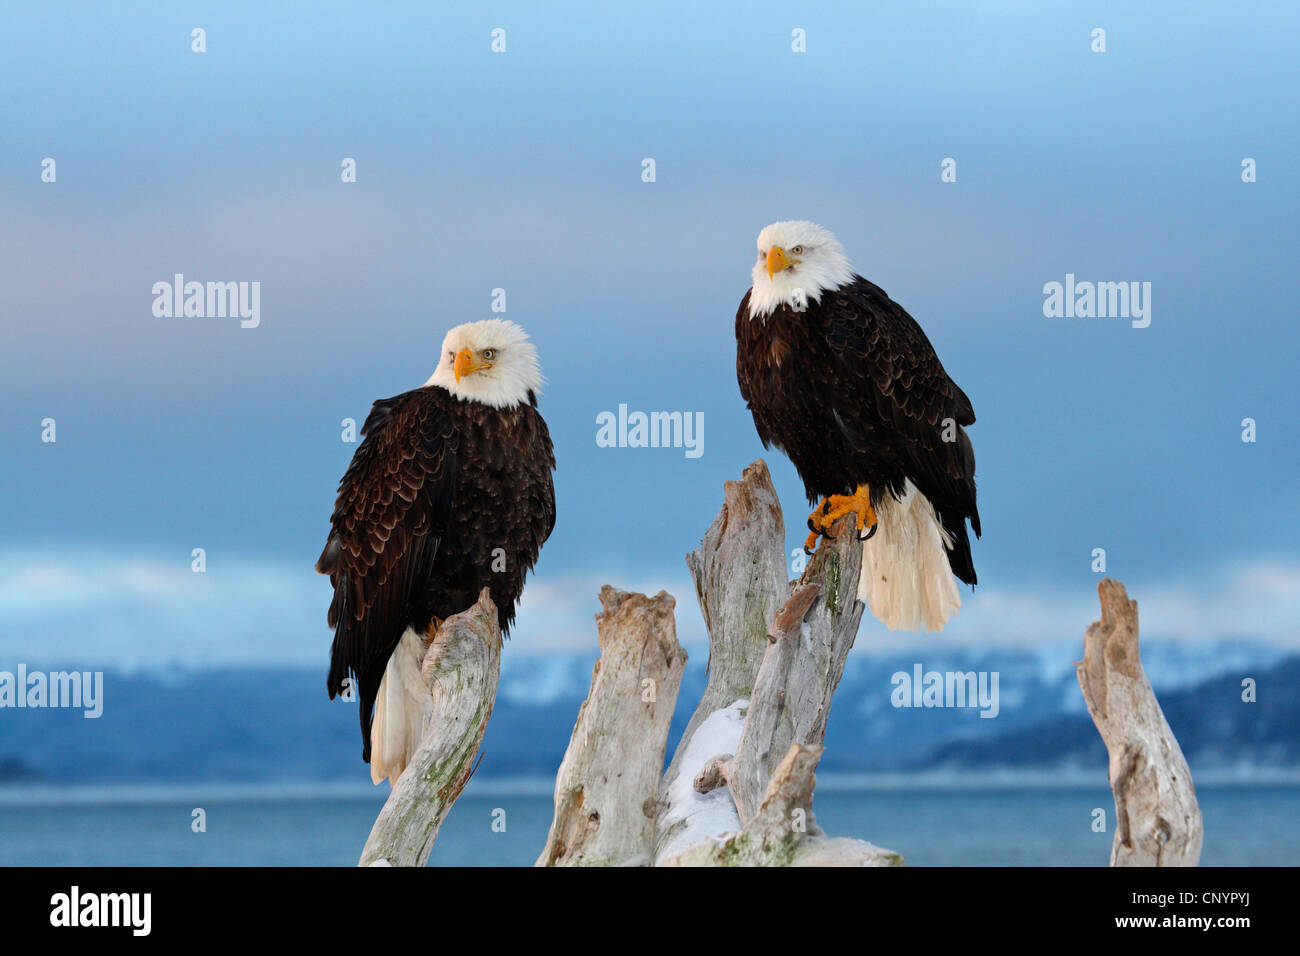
column 110, row 609
column 1259, row 600
column 141, row 610
column 132, row 610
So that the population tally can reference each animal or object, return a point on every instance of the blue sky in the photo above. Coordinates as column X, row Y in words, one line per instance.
column 522, row 171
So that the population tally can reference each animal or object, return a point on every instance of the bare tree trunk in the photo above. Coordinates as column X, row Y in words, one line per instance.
column 810, row 638
column 1157, row 819
column 740, row 580
column 461, row 667
column 606, row 789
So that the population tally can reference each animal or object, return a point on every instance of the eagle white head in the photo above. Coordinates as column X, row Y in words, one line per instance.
column 797, row 262
column 490, row 361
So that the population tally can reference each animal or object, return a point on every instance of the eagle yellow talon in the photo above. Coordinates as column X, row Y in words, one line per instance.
column 818, row 526
column 836, row 507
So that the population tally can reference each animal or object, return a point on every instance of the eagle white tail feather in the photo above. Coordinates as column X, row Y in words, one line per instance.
column 906, row 578
column 402, row 710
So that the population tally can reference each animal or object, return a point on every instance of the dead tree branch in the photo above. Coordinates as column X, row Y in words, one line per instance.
column 461, row 667
column 1157, row 819
column 607, row 786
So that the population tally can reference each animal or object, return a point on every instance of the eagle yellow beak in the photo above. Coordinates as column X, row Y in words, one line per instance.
column 776, row 261
column 467, row 364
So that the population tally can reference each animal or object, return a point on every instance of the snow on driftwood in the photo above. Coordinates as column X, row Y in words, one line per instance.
column 783, row 832
column 1157, row 819
column 696, row 806
column 461, row 668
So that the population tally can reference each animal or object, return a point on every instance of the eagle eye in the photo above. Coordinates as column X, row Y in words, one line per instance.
column 797, row 250
column 489, row 354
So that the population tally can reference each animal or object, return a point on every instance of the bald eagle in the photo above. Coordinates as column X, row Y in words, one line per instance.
column 449, row 492
column 843, row 380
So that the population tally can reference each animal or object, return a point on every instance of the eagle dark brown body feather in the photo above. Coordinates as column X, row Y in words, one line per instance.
column 437, row 484
column 853, row 392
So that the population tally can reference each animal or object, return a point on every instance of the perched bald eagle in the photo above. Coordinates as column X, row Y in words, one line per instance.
column 843, row 380
column 449, row 492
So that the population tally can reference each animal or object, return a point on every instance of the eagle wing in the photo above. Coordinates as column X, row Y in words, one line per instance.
column 901, row 396
column 391, row 513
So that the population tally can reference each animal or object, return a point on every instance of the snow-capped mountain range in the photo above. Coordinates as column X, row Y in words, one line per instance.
column 275, row 724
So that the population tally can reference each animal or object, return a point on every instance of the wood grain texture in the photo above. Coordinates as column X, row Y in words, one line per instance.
column 607, row 787
column 1157, row 818
column 776, row 655
column 461, row 667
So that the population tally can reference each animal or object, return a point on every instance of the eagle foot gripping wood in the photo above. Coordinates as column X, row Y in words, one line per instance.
column 835, row 507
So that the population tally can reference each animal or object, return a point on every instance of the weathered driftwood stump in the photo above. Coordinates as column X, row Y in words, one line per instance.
column 461, row 667
column 606, row 789
column 739, row 788
column 1157, row 819
column 775, row 658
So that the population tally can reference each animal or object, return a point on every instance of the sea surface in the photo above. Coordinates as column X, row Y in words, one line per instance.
column 506, row 825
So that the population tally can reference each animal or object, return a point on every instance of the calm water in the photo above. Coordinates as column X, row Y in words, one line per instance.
column 1243, row 826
